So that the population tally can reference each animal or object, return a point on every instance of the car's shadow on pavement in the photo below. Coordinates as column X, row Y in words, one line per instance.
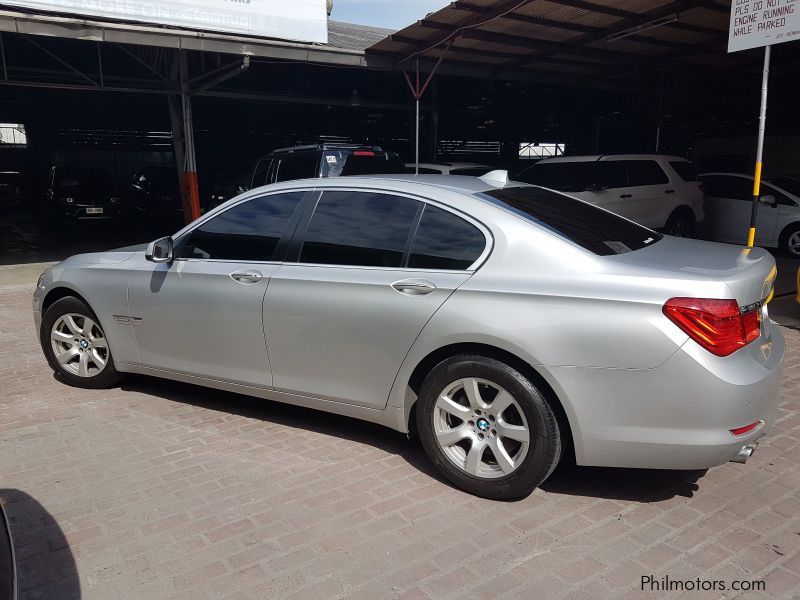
column 45, row 563
column 635, row 485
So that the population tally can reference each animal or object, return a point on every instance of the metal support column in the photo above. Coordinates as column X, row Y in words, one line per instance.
column 762, row 125
column 190, row 187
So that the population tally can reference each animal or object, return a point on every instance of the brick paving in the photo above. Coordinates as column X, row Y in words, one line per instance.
column 165, row 490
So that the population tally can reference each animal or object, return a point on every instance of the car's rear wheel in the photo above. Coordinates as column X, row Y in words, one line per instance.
column 75, row 345
column 681, row 223
column 790, row 241
column 487, row 428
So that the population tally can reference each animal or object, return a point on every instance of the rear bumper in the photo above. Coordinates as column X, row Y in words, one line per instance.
column 679, row 415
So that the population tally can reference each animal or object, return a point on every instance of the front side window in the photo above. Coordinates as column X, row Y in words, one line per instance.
column 445, row 241
column 366, row 229
column 249, row 231
column 609, row 175
column 584, row 224
column 726, row 186
column 645, row 172
column 300, row 166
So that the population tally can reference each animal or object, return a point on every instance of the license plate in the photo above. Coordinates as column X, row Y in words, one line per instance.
column 94, row 211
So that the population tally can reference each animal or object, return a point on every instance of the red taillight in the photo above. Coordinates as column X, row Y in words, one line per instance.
column 363, row 153
column 717, row 325
column 745, row 429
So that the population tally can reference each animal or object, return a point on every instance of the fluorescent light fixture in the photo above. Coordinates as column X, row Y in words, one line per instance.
column 619, row 35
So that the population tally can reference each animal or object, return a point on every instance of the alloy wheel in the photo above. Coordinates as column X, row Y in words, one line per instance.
column 481, row 428
column 793, row 244
column 79, row 345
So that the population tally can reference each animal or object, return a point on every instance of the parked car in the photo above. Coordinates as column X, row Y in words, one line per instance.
column 227, row 185
column 8, row 565
column 82, row 193
column 155, row 194
column 660, row 192
column 450, row 168
column 507, row 324
column 10, row 189
column 324, row 160
column 729, row 202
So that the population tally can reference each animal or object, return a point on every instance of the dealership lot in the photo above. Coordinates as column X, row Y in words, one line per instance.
column 159, row 489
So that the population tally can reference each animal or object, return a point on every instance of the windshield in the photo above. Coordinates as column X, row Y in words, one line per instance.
column 590, row 227
column 341, row 163
column 84, row 179
column 790, row 184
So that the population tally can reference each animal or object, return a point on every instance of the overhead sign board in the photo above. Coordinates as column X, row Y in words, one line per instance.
column 296, row 20
column 756, row 23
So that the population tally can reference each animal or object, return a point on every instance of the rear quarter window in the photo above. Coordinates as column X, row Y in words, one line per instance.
column 685, row 170
column 588, row 226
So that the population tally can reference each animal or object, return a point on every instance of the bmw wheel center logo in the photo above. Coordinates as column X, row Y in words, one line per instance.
column 483, row 424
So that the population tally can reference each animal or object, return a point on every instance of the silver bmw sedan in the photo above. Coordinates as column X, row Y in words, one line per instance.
column 509, row 326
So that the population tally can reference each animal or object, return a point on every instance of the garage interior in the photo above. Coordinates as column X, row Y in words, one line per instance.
column 591, row 77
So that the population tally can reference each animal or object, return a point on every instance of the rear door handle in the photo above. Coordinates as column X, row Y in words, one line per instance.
column 670, row 192
column 246, row 277
column 414, row 287
column 626, row 196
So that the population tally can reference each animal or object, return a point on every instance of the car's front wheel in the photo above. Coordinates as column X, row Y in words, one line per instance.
column 487, row 428
column 75, row 345
column 790, row 241
column 681, row 223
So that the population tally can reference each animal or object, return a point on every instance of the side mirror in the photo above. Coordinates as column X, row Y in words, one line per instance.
column 160, row 251
column 768, row 200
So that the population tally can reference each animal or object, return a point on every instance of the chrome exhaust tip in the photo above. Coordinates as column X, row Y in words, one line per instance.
column 745, row 453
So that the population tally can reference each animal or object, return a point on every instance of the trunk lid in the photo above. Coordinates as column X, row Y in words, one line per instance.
column 748, row 273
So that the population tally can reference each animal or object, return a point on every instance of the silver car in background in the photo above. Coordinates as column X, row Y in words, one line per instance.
column 508, row 325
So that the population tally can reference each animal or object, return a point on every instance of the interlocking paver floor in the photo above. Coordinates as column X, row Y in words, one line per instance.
column 164, row 490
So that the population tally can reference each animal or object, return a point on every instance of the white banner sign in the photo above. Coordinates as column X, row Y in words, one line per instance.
column 298, row 20
column 756, row 23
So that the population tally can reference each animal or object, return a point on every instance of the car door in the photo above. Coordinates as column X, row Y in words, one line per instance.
column 372, row 268
column 729, row 203
column 609, row 189
column 202, row 313
column 653, row 197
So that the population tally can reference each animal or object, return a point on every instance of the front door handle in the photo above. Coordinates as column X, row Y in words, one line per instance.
column 626, row 196
column 414, row 287
column 247, row 277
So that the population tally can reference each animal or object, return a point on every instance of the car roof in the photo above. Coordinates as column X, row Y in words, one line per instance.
column 450, row 165
column 601, row 157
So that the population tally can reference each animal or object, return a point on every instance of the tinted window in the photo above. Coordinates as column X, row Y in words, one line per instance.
column 471, row 171
column 299, row 166
column 685, row 170
column 725, row 186
column 445, row 241
column 248, row 231
column 425, row 171
column 260, row 173
column 563, row 176
column 610, row 174
column 645, row 172
column 597, row 230
column 789, row 184
column 359, row 228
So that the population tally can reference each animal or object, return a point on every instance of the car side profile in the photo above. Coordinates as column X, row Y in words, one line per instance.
column 506, row 324
column 729, row 197
column 660, row 192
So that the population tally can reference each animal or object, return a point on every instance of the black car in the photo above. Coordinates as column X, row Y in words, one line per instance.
column 82, row 193
column 324, row 160
column 155, row 194
column 8, row 568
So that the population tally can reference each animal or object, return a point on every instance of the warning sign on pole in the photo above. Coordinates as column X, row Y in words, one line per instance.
column 756, row 23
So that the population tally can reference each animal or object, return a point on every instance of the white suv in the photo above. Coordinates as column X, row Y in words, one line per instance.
column 659, row 192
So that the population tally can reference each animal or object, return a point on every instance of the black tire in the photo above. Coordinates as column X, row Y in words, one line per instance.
column 789, row 234
column 107, row 377
column 681, row 223
column 544, row 449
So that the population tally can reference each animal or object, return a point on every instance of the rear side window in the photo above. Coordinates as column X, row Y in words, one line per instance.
column 445, row 241
column 300, row 166
column 685, row 170
column 645, row 172
column 247, row 232
column 597, row 230
column 359, row 228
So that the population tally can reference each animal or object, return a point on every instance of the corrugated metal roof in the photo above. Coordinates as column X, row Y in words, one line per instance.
column 566, row 35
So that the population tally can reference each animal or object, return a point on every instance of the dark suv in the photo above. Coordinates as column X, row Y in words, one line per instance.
column 324, row 160
column 82, row 193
